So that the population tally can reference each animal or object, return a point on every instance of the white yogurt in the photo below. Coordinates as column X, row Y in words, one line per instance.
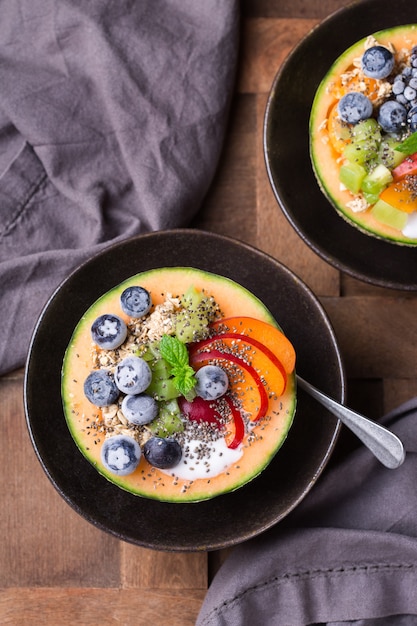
column 410, row 229
column 217, row 458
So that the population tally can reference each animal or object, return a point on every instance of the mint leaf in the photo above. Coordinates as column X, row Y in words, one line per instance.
column 176, row 354
column 173, row 351
column 185, row 382
column 409, row 145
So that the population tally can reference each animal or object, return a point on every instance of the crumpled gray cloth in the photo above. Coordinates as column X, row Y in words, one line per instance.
column 112, row 119
column 346, row 555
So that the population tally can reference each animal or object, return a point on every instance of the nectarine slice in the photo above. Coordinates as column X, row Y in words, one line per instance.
column 266, row 334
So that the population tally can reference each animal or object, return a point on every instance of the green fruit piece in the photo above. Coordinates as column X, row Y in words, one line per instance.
column 145, row 353
column 168, row 420
column 361, row 151
column 162, row 388
column 372, row 187
column 377, row 180
column 351, row 176
column 191, row 326
column 149, row 352
column 388, row 155
column 366, row 130
column 161, row 369
column 381, row 175
column 192, row 322
column 192, row 298
column 387, row 214
column 371, row 198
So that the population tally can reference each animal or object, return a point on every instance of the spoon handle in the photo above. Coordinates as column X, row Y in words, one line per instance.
column 386, row 446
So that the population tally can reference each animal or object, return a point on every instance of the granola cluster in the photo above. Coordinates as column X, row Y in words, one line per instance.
column 141, row 331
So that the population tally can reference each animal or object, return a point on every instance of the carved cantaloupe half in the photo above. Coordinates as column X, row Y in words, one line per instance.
column 258, row 447
column 328, row 137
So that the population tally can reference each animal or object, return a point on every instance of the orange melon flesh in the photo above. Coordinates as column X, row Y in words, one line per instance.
column 325, row 158
column 148, row 481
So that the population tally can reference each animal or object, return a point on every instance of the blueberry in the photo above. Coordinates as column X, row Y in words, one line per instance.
column 135, row 301
column 392, row 116
column 409, row 93
column 402, row 99
column 412, row 119
column 120, row 454
column 377, row 62
column 133, row 375
column 354, row 107
column 108, row 331
column 212, row 382
column 100, row 388
column 398, row 86
column 139, row 409
column 162, row 453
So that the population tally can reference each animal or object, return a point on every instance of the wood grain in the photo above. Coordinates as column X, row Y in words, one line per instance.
column 296, row 9
column 56, row 568
column 229, row 208
column 275, row 234
column 86, row 606
column 266, row 43
column 377, row 335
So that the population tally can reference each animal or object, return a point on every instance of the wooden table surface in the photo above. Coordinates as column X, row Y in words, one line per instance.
column 56, row 568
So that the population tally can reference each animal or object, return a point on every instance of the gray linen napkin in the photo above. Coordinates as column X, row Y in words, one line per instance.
column 346, row 555
column 112, row 118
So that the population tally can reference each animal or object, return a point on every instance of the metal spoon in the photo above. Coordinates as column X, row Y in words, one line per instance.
column 381, row 442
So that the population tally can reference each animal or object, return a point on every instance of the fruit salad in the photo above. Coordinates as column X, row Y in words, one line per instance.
column 175, row 387
column 363, row 134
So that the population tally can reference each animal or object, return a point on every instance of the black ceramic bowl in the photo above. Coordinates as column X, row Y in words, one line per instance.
column 227, row 519
column 286, row 148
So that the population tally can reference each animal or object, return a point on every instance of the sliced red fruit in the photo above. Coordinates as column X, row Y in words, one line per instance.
column 251, row 384
column 200, row 410
column 259, row 362
column 406, row 167
column 236, row 427
column 267, row 334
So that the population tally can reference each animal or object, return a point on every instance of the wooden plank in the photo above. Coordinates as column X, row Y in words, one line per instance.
column 149, row 569
column 296, row 8
column 91, row 606
column 355, row 287
column 53, row 545
column 56, row 568
column 64, row 549
column 265, row 45
column 377, row 335
column 229, row 208
column 276, row 236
